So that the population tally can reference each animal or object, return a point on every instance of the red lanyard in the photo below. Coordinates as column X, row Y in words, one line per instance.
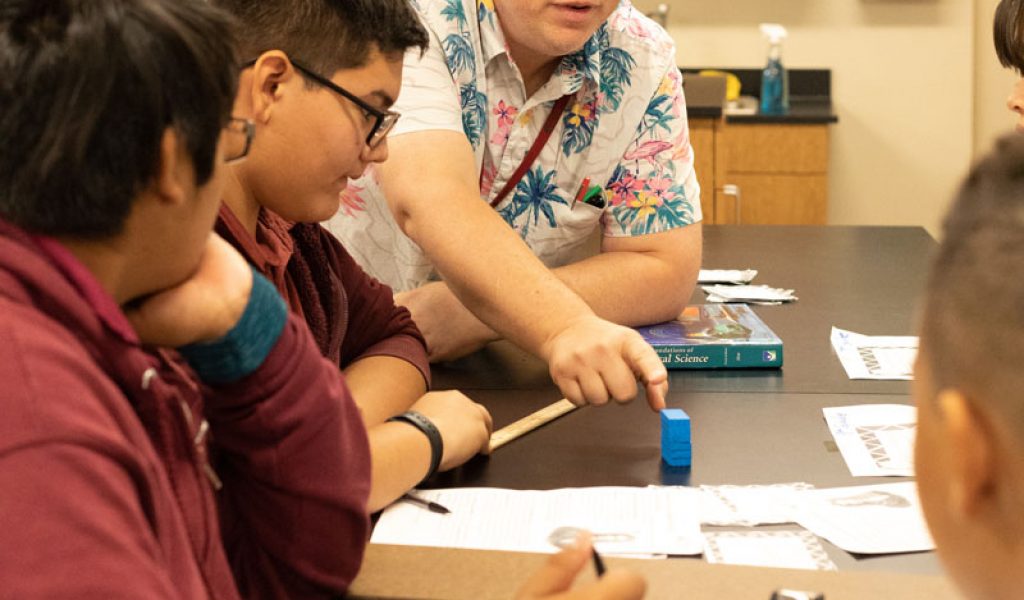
column 531, row 155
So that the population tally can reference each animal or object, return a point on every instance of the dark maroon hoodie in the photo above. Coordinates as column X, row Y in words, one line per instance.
column 106, row 476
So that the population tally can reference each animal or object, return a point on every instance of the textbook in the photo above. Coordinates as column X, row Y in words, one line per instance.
column 715, row 336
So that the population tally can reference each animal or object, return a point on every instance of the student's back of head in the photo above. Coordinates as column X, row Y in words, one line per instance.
column 88, row 89
column 969, row 381
column 973, row 323
column 327, row 35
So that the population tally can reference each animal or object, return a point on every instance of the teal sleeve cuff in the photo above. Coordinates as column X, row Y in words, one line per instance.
column 244, row 348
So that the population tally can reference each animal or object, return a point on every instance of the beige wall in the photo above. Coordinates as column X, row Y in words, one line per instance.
column 903, row 87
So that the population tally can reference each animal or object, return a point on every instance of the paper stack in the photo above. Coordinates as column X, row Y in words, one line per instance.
column 735, row 276
column 748, row 294
column 875, row 357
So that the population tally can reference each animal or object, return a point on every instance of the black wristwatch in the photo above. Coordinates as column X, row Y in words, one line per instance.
column 422, row 423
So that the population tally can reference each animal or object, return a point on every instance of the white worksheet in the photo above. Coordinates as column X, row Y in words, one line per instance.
column 624, row 520
column 780, row 549
column 875, row 439
column 750, row 294
column 749, row 505
column 875, row 357
column 735, row 276
column 869, row 519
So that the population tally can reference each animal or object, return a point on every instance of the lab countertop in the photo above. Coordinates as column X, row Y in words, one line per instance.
column 810, row 99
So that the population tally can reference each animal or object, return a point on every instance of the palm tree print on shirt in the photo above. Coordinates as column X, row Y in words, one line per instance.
column 616, row 72
column 533, row 197
column 579, row 122
column 461, row 59
column 454, row 11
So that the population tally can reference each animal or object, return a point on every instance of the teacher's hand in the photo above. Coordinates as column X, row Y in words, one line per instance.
column 593, row 361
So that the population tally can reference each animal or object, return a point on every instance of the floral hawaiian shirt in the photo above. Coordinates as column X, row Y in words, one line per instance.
column 624, row 130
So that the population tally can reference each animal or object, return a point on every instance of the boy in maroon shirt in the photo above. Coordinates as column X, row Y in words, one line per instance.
column 126, row 471
column 317, row 82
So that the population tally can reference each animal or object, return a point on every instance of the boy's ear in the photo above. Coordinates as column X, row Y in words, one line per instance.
column 174, row 175
column 972, row 454
column 271, row 71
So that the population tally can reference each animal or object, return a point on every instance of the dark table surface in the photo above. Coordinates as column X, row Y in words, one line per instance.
column 864, row 279
column 749, row 427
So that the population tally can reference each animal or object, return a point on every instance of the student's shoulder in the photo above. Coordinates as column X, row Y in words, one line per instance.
column 51, row 390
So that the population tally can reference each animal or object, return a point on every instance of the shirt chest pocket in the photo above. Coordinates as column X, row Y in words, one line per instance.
column 574, row 236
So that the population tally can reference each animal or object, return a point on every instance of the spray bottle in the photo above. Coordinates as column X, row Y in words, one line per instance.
column 774, row 80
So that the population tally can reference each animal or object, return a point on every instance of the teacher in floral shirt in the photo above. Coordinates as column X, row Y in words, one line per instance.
column 536, row 122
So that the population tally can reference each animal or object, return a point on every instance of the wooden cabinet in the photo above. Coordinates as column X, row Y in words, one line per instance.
column 702, row 139
column 761, row 173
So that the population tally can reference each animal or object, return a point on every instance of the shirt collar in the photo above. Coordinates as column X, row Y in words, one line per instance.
column 492, row 38
column 584, row 65
column 272, row 246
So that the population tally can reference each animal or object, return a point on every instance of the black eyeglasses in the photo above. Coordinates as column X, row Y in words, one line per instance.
column 384, row 120
column 237, row 144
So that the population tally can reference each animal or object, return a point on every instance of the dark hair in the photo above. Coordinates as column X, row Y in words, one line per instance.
column 973, row 320
column 1008, row 34
column 88, row 89
column 326, row 35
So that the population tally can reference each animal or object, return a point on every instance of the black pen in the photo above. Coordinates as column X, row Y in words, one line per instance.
column 427, row 504
column 598, row 563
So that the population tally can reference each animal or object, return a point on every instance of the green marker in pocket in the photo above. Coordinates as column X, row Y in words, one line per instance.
column 594, row 196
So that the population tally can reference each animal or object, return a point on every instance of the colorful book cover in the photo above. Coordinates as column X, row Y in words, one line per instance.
column 715, row 336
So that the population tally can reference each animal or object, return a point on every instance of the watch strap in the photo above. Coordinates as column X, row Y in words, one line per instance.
column 424, row 424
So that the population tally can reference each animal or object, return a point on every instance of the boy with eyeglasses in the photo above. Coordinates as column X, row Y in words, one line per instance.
column 318, row 80
column 309, row 128
column 126, row 471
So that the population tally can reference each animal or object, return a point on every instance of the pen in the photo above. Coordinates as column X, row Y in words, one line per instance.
column 584, row 188
column 598, row 563
column 427, row 504
column 594, row 197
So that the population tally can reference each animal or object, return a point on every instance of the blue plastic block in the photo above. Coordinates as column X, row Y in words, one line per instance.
column 676, row 449
column 671, row 444
column 674, row 419
column 675, row 425
column 687, row 451
column 674, row 441
column 677, row 460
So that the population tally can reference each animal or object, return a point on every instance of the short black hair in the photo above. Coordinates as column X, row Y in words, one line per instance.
column 973, row 318
column 1008, row 34
column 326, row 35
column 88, row 89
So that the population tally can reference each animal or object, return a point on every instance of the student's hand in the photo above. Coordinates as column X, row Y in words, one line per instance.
column 553, row 580
column 450, row 329
column 204, row 307
column 594, row 360
column 465, row 426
